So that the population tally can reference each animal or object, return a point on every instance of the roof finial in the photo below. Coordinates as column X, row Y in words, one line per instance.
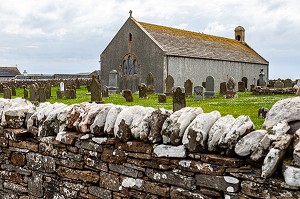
column 130, row 13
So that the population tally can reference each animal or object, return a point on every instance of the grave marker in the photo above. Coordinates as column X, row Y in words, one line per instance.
column 199, row 93
column 6, row 93
column 278, row 84
column 127, row 95
column 162, row 98
column 178, row 98
column 13, row 90
column 169, row 84
column 95, row 91
column 188, row 86
column 210, row 87
column 223, row 88
column 150, row 83
column 241, row 86
column 143, row 89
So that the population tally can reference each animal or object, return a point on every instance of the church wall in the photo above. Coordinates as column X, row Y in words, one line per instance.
column 148, row 54
column 197, row 70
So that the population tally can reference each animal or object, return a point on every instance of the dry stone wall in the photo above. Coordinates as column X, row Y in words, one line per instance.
column 91, row 150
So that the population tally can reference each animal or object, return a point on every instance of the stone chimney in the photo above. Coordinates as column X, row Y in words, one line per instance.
column 240, row 34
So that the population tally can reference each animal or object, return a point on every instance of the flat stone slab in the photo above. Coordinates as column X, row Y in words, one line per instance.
column 169, row 151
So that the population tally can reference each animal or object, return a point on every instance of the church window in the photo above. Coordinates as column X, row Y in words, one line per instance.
column 135, row 66
column 129, row 65
column 130, row 37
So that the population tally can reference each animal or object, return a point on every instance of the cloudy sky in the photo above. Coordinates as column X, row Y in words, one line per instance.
column 67, row 36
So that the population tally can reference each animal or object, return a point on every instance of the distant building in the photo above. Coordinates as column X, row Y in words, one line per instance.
column 141, row 48
column 8, row 73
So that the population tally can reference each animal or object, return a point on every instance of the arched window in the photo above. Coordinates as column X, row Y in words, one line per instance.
column 130, row 37
column 238, row 37
column 129, row 65
column 135, row 67
column 124, row 67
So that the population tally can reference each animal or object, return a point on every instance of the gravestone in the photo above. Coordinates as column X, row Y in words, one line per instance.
column 105, row 91
column 162, row 98
column 42, row 94
column 113, row 79
column 34, row 95
column 204, row 84
column 150, row 83
column 210, row 87
column 245, row 80
column 261, row 80
column 298, row 92
column 25, row 91
column 88, row 87
column 223, row 88
column 1, row 88
column 288, row 83
column 230, row 93
column 59, row 94
column 262, row 112
column 6, row 93
column 278, row 84
column 70, row 93
column 241, row 86
column 188, row 86
column 62, row 86
column 198, row 93
column 169, row 84
column 252, row 87
column 143, row 89
column 47, row 90
column 178, row 98
column 77, row 83
column 13, row 90
column 127, row 95
column 95, row 90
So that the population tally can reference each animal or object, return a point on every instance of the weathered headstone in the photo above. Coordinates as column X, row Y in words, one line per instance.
column 70, row 93
column 127, row 95
column 210, row 87
column 261, row 80
column 150, row 83
column 278, row 84
column 245, row 80
column 77, row 83
column 42, row 94
column 252, row 87
column 25, row 91
column 241, row 86
column 162, row 98
column 230, row 93
column 1, row 88
column 105, row 91
column 113, row 79
column 13, row 90
column 178, row 98
column 198, row 93
column 188, row 86
column 62, row 86
column 223, row 88
column 6, row 93
column 262, row 112
column 95, row 91
column 169, row 84
column 288, row 83
column 34, row 95
column 143, row 89
column 47, row 90
column 59, row 94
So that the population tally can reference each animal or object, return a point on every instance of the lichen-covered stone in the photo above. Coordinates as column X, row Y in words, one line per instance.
column 239, row 128
column 169, row 151
column 179, row 193
column 97, row 128
column 111, row 118
column 84, row 175
column 296, row 152
column 291, row 174
column 222, row 183
column 39, row 162
column 156, row 121
column 248, row 143
column 196, row 134
column 217, row 131
column 286, row 109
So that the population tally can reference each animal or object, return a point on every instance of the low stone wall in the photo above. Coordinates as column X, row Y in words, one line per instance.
column 108, row 151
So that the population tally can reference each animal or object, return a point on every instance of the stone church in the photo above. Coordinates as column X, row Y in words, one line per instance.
column 139, row 49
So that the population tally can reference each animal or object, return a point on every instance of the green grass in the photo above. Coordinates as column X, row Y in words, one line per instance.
column 245, row 104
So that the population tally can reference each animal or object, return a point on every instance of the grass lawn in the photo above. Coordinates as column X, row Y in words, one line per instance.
column 245, row 104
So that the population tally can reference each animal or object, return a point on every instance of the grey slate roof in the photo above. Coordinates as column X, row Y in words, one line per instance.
column 184, row 43
column 9, row 71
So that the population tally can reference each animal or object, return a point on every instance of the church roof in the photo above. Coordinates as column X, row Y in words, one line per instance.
column 9, row 71
column 178, row 42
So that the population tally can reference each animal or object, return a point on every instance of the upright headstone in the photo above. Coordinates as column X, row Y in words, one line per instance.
column 188, row 86
column 261, row 80
column 262, row 112
column 278, row 84
column 241, row 86
column 288, row 83
column 95, row 90
column 169, row 84
column 1, row 88
column 178, row 98
column 198, row 93
column 210, row 87
column 25, row 92
column 6, row 93
column 143, row 89
column 150, row 83
column 62, row 86
column 47, row 90
column 59, row 94
column 127, row 94
column 42, row 94
column 13, row 90
column 162, row 98
column 113, row 79
column 223, row 88
column 77, row 83
column 34, row 96
column 105, row 91
column 245, row 80
column 231, row 93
